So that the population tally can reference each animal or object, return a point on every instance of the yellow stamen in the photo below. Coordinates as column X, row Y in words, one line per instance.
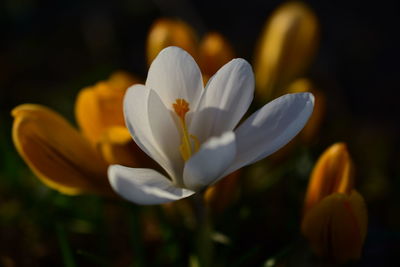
column 181, row 107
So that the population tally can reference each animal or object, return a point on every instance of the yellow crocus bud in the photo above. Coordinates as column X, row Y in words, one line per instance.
column 74, row 162
column 100, row 106
column 312, row 127
column 286, row 47
column 214, row 52
column 335, row 215
column 57, row 153
column 170, row 32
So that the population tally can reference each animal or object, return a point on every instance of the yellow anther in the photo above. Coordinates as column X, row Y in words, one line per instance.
column 181, row 107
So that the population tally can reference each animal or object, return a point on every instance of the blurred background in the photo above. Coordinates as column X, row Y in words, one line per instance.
column 49, row 50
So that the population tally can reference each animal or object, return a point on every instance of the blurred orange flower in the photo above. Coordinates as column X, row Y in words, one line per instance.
column 72, row 161
column 335, row 215
column 211, row 53
column 285, row 49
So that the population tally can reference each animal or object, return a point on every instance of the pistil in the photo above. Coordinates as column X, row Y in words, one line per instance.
column 181, row 107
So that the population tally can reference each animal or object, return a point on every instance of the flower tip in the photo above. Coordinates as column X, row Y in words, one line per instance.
column 310, row 97
column 172, row 49
column 22, row 108
column 339, row 148
column 111, row 174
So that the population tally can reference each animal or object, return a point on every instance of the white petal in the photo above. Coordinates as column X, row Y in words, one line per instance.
column 166, row 135
column 207, row 165
column 136, row 114
column 144, row 186
column 174, row 74
column 226, row 99
column 271, row 127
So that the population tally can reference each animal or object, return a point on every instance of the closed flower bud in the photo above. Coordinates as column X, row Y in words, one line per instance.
column 72, row 161
column 99, row 107
column 56, row 152
column 335, row 215
column 286, row 47
column 170, row 32
column 214, row 52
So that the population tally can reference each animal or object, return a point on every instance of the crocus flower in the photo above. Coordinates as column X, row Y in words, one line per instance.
column 71, row 161
column 192, row 132
column 285, row 49
column 335, row 216
column 212, row 51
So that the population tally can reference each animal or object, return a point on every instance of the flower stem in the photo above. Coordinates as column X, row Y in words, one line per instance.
column 204, row 244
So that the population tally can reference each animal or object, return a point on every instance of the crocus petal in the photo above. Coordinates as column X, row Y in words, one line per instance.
column 336, row 227
column 57, row 153
column 226, row 99
column 333, row 173
column 271, row 127
column 174, row 74
column 136, row 110
column 207, row 165
column 166, row 135
column 144, row 186
column 100, row 106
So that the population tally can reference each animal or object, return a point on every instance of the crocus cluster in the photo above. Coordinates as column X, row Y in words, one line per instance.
column 335, row 216
column 75, row 161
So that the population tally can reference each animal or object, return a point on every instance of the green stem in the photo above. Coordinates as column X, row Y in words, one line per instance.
column 66, row 251
column 204, row 244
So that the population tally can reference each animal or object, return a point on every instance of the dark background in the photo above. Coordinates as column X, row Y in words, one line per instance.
column 53, row 48
column 49, row 50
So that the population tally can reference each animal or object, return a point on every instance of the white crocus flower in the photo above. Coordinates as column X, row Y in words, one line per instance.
column 191, row 130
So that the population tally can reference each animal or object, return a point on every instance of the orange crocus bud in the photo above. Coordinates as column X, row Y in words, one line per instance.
column 57, row 153
column 214, row 52
column 287, row 45
column 170, row 32
column 312, row 127
column 100, row 106
column 335, row 216
column 75, row 162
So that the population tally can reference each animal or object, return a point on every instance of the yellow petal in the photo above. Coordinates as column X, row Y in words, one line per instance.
column 313, row 125
column 100, row 106
column 333, row 173
column 118, row 147
column 285, row 49
column 336, row 227
column 121, row 80
column 170, row 32
column 57, row 153
column 214, row 52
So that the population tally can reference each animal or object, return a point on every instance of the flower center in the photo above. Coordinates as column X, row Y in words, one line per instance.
column 190, row 143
